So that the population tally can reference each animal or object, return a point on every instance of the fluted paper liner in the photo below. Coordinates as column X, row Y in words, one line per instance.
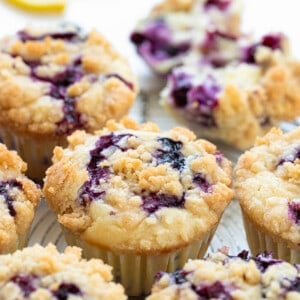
column 136, row 272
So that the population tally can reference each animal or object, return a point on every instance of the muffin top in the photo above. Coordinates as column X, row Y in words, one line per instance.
column 44, row 273
column 259, row 87
column 179, row 28
column 56, row 80
column 267, row 185
column 225, row 277
column 18, row 199
column 262, row 72
column 131, row 188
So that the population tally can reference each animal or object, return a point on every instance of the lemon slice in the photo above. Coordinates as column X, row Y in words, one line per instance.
column 40, row 5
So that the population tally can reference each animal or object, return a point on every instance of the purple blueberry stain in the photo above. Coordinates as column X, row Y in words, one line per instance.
column 26, row 282
column 262, row 260
column 170, row 153
column 291, row 285
column 65, row 290
column 5, row 187
column 198, row 100
column 154, row 43
column 181, row 84
column 72, row 119
column 294, row 211
column 219, row 4
column 215, row 290
column 59, row 84
column 205, row 96
column 155, row 201
column 156, row 31
column 91, row 190
column 265, row 260
column 244, row 255
column 295, row 154
column 201, row 181
column 272, row 41
column 179, row 276
column 248, row 54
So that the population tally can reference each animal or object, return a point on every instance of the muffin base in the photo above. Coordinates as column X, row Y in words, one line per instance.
column 260, row 241
column 137, row 272
column 36, row 152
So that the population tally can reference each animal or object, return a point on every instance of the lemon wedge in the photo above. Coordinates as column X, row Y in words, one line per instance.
column 40, row 5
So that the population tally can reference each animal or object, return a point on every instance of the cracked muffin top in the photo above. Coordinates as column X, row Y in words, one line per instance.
column 56, row 80
column 225, row 277
column 18, row 199
column 44, row 273
column 139, row 186
column 267, row 185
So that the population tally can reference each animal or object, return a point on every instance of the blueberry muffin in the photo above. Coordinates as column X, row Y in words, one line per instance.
column 267, row 187
column 54, row 81
column 176, row 29
column 138, row 198
column 18, row 199
column 241, row 100
column 44, row 273
column 225, row 277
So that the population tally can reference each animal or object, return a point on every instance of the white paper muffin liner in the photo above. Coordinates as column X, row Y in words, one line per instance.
column 36, row 152
column 136, row 272
column 20, row 243
column 260, row 241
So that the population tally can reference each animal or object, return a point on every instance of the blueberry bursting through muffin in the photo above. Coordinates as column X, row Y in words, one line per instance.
column 59, row 83
column 29, row 283
column 168, row 153
column 6, row 189
column 224, row 290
